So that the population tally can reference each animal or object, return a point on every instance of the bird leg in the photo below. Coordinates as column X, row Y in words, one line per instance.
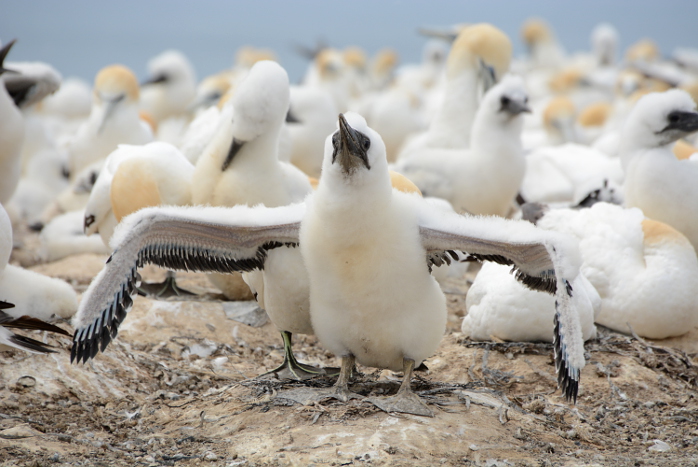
column 292, row 368
column 165, row 289
column 405, row 401
column 340, row 390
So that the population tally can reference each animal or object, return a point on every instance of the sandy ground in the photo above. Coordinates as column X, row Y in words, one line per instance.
column 178, row 388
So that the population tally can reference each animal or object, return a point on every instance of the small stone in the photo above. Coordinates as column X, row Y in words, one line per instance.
column 209, row 456
column 659, row 446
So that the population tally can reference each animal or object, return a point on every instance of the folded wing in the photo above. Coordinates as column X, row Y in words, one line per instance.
column 203, row 239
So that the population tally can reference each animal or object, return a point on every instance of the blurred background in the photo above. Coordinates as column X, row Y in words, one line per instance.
column 78, row 37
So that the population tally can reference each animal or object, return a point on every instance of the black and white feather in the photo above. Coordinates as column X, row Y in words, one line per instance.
column 203, row 239
column 542, row 260
column 9, row 338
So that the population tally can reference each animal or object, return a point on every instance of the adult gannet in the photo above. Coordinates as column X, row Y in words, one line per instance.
column 134, row 177
column 485, row 178
column 367, row 249
column 479, row 57
column 171, row 86
column 11, row 136
column 665, row 188
column 645, row 271
column 113, row 120
column 10, row 339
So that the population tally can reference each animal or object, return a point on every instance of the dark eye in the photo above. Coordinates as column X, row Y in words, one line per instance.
column 673, row 118
column 366, row 144
column 505, row 101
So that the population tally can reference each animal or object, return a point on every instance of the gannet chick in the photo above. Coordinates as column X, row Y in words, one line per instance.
column 34, row 294
column 327, row 71
column 63, row 236
column 113, row 120
column 310, row 119
column 479, row 57
column 485, row 178
column 500, row 307
column 662, row 186
column 645, row 271
column 388, row 313
column 241, row 166
column 10, row 339
column 171, row 86
column 604, row 43
column 11, row 136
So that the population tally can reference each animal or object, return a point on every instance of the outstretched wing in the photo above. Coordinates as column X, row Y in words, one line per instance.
column 541, row 260
column 203, row 239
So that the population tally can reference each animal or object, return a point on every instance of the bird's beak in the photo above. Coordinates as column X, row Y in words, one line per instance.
column 155, row 80
column 682, row 121
column 110, row 105
column 291, row 118
column 234, row 148
column 515, row 107
column 487, row 76
column 3, row 53
column 348, row 148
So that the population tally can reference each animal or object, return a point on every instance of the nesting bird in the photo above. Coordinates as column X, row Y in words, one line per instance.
column 170, row 87
column 11, row 136
column 367, row 249
column 485, row 178
column 665, row 188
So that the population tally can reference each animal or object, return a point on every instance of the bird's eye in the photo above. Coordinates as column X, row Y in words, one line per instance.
column 505, row 101
column 673, row 118
column 526, row 100
column 366, row 144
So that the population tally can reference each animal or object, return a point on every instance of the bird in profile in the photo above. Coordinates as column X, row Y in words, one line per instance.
column 665, row 188
column 367, row 249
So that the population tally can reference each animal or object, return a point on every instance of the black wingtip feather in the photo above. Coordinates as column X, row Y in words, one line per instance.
column 30, row 344
column 177, row 258
column 567, row 378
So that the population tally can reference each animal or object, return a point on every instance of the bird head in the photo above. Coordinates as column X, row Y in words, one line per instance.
column 508, row 99
column 659, row 119
column 354, row 150
column 483, row 48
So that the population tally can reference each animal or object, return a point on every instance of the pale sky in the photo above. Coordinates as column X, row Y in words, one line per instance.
column 79, row 37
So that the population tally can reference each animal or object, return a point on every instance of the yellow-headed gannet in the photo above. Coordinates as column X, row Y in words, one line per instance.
column 368, row 250
column 645, row 271
column 113, row 120
column 478, row 59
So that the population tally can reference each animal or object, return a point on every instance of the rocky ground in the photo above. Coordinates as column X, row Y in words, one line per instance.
column 177, row 387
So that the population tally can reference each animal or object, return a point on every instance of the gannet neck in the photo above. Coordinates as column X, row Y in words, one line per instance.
column 452, row 124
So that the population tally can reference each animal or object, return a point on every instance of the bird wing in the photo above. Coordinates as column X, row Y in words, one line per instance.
column 7, row 337
column 204, row 239
column 541, row 260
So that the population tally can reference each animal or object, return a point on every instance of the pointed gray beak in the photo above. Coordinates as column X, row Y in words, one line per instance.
column 682, row 121
column 157, row 79
column 513, row 106
column 110, row 105
column 487, row 76
column 350, row 147
column 234, row 149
